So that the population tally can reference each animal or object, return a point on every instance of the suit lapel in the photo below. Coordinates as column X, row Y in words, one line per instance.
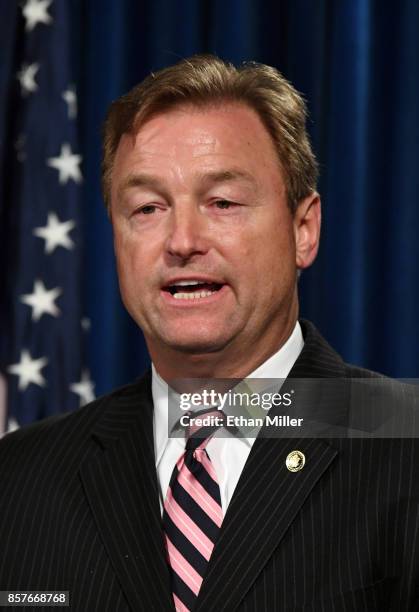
column 121, row 487
column 267, row 499
column 268, row 496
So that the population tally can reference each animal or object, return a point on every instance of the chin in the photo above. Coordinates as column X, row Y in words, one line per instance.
column 195, row 344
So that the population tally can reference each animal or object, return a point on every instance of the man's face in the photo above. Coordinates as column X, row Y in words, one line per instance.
column 198, row 196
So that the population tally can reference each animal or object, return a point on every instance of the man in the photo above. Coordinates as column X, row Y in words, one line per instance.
column 210, row 184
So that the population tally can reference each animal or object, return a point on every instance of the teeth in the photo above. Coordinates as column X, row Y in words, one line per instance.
column 192, row 296
column 186, row 283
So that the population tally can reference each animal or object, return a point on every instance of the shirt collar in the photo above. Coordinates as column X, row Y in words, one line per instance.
column 277, row 366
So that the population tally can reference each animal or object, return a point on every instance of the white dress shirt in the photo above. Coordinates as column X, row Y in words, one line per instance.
column 228, row 454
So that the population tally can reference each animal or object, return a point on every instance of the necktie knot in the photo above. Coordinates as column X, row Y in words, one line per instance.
column 204, row 425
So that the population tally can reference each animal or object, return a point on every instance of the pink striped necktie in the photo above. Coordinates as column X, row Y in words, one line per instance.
column 192, row 518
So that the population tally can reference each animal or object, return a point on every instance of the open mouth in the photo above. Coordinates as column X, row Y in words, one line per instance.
column 192, row 289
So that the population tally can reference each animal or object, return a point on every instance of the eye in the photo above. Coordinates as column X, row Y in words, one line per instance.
column 224, row 204
column 147, row 209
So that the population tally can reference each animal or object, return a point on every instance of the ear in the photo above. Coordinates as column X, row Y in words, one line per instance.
column 307, row 219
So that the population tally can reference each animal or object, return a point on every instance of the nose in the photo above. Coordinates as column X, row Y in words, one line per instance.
column 187, row 233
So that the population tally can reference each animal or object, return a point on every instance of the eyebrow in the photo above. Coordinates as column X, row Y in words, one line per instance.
column 139, row 180
column 224, row 176
column 212, row 177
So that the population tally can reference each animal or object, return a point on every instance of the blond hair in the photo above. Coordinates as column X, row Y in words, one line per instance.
column 206, row 80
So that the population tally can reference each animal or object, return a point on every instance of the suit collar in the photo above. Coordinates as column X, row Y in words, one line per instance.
column 317, row 359
column 121, row 408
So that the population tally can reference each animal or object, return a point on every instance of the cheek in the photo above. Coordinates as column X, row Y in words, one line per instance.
column 275, row 263
column 133, row 268
column 130, row 263
column 239, row 244
column 127, row 246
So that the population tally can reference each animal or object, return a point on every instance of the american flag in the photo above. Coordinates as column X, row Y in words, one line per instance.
column 43, row 327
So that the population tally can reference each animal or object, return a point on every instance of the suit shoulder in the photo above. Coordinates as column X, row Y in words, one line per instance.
column 62, row 430
column 354, row 371
column 383, row 407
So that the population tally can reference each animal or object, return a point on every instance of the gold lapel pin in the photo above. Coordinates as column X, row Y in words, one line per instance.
column 295, row 461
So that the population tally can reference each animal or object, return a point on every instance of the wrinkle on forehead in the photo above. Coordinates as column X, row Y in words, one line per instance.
column 200, row 140
column 174, row 141
column 197, row 143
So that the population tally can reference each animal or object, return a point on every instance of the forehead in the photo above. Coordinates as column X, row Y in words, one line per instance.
column 193, row 138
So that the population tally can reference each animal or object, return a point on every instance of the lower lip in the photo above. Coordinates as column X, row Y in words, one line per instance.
column 194, row 302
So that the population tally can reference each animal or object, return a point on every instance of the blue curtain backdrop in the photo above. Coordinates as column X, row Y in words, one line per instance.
column 357, row 64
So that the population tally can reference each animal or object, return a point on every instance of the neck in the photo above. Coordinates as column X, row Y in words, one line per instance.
column 230, row 362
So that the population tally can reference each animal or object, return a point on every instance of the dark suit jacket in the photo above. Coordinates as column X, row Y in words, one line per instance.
column 79, row 511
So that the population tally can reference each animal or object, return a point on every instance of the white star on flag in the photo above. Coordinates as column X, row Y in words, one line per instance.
column 29, row 370
column 36, row 11
column 67, row 164
column 42, row 301
column 84, row 388
column 12, row 425
column 26, row 77
column 19, row 145
column 55, row 233
column 85, row 324
column 70, row 98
